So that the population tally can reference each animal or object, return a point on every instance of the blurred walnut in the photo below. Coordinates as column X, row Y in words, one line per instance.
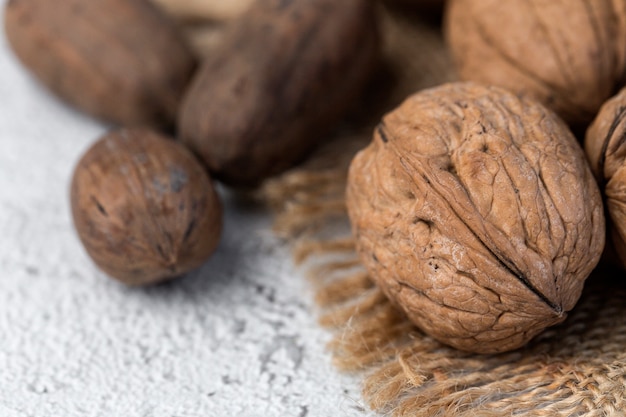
column 476, row 212
column 606, row 151
column 144, row 207
column 569, row 54
column 119, row 60
column 284, row 74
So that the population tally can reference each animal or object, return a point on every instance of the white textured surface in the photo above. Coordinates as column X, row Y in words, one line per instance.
column 237, row 338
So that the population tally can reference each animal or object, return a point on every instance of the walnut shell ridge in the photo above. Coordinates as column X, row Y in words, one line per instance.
column 475, row 211
column 568, row 54
column 605, row 146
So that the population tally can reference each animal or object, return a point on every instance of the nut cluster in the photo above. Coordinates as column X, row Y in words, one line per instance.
column 279, row 78
column 474, row 208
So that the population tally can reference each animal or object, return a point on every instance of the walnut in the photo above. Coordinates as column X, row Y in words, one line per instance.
column 606, row 151
column 119, row 60
column 286, row 72
column 570, row 55
column 144, row 207
column 476, row 212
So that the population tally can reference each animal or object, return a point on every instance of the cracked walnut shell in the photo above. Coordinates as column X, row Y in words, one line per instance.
column 605, row 146
column 476, row 213
column 568, row 54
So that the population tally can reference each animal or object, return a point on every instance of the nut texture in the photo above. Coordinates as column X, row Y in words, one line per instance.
column 476, row 212
column 606, row 150
column 568, row 54
column 144, row 207
column 285, row 74
column 119, row 60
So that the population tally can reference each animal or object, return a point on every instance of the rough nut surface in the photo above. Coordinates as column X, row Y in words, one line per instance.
column 568, row 54
column 144, row 207
column 605, row 145
column 476, row 212
column 119, row 60
column 284, row 75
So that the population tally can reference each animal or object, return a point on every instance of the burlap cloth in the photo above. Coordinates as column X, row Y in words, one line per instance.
column 575, row 369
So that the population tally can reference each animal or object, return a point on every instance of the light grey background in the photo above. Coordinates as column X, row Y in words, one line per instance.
column 237, row 338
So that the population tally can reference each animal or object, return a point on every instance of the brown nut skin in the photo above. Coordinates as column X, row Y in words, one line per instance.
column 285, row 74
column 606, row 151
column 568, row 54
column 144, row 207
column 118, row 60
column 476, row 213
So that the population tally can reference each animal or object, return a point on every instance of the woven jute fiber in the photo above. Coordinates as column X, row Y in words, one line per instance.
column 575, row 369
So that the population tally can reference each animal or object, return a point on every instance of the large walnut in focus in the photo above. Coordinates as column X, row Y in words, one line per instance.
column 476, row 212
column 606, row 151
column 569, row 54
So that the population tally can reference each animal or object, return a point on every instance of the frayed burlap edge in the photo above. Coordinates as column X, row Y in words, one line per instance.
column 575, row 369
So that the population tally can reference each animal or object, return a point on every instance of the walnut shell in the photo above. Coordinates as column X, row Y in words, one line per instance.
column 284, row 75
column 568, row 54
column 144, row 207
column 119, row 60
column 476, row 212
column 606, row 150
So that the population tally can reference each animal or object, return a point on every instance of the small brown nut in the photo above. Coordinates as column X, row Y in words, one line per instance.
column 606, row 150
column 570, row 55
column 119, row 60
column 476, row 212
column 144, row 208
column 285, row 73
